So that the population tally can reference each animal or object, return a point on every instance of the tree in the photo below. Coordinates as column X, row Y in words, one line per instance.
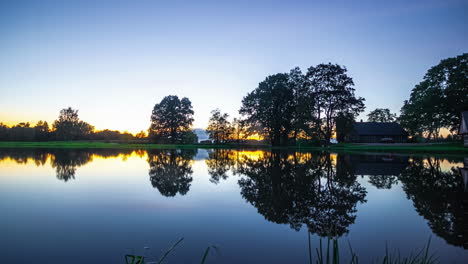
column 333, row 93
column 4, row 129
column 141, row 135
column 303, row 115
column 42, row 130
column 219, row 128
column 190, row 137
column 382, row 115
column 69, row 127
column 437, row 101
column 269, row 108
column 344, row 125
column 171, row 119
column 239, row 130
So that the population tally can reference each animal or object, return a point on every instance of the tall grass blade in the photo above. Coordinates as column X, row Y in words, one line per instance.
column 169, row 251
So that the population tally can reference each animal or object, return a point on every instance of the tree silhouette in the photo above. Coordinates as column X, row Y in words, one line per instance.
column 381, row 115
column 333, row 93
column 170, row 170
column 269, row 108
column 69, row 127
column 219, row 128
column 171, row 119
column 437, row 101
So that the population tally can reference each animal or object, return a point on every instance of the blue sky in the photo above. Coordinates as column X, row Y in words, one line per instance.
column 113, row 60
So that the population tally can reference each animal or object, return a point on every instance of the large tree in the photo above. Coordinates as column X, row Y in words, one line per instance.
column 269, row 109
column 382, row 115
column 333, row 93
column 171, row 119
column 69, row 127
column 437, row 101
column 219, row 128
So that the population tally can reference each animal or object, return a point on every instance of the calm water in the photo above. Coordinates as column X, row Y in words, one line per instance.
column 82, row 206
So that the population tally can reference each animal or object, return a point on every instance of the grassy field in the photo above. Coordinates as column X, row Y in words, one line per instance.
column 443, row 148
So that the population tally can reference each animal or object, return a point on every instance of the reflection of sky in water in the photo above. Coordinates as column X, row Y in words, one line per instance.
column 111, row 207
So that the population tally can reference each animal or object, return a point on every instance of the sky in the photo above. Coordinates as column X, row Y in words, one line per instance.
column 114, row 60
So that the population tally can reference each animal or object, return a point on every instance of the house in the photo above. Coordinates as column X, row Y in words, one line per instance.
column 375, row 132
column 463, row 130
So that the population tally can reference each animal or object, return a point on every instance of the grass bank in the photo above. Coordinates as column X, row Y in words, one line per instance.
column 442, row 148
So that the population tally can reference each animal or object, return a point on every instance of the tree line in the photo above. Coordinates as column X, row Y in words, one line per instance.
column 68, row 126
column 285, row 109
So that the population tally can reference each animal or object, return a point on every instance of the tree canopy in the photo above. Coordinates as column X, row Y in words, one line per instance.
column 285, row 106
column 382, row 115
column 437, row 101
column 69, row 127
column 171, row 119
column 219, row 128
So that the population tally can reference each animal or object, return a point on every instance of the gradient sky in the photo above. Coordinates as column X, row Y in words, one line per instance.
column 113, row 60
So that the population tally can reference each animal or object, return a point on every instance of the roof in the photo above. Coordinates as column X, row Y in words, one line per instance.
column 464, row 123
column 379, row 129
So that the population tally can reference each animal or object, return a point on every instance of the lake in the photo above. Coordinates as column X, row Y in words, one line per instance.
column 96, row 206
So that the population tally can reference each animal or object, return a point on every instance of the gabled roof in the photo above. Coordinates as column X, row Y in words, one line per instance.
column 464, row 123
column 379, row 129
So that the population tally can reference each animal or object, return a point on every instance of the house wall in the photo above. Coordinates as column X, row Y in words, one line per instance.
column 376, row 139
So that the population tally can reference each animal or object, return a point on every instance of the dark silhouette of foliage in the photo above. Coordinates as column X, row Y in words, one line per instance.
column 171, row 119
column 440, row 197
column 42, row 131
column 333, row 93
column 382, row 115
column 269, row 108
column 65, row 162
column 437, row 101
column 219, row 128
column 190, row 137
column 69, row 127
column 301, row 189
column 344, row 125
column 219, row 162
column 170, row 170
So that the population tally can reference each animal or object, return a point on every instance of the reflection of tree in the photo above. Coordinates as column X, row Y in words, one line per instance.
column 65, row 162
column 439, row 197
column 21, row 156
column 299, row 189
column 171, row 170
column 219, row 162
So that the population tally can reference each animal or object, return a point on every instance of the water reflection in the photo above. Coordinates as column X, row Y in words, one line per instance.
column 302, row 189
column 170, row 170
column 219, row 162
column 382, row 170
column 318, row 191
column 440, row 197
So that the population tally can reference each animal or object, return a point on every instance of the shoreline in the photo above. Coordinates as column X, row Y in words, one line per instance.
column 433, row 148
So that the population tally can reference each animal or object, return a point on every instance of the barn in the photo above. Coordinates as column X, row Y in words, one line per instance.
column 463, row 130
column 376, row 132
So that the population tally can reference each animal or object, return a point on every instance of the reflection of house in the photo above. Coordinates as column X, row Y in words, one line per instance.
column 463, row 130
column 464, row 174
column 378, row 165
column 374, row 132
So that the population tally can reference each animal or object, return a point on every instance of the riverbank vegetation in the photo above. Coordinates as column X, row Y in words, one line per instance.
column 286, row 109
